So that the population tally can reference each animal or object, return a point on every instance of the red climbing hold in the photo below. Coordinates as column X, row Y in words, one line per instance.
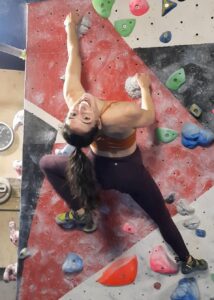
column 160, row 262
column 121, row 272
column 138, row 7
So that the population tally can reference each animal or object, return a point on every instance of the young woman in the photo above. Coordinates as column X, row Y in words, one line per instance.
column 114, row 162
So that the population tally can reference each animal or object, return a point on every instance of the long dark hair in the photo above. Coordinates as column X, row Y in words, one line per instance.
column 80, row 172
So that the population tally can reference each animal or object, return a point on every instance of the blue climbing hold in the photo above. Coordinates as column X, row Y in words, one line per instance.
column 73, row 263
column 188, row 143
column 200, row 232
column 190, row 131
column 206, row 137
column 166, row 37
column 187, row 289
column 193, row 136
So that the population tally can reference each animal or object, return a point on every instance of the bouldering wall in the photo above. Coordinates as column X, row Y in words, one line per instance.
column 112, row 52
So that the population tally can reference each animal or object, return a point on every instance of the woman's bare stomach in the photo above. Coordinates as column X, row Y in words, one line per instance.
column 113, row 153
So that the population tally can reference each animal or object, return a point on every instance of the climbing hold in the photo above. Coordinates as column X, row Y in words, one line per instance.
column 83, row 26
column 62, row 77
column 165, row 37
column 167, row 6
column 66, row 151
column 124, row 26
column 73, row 263
column 212, row 276
column 170, row 199
column 200, row 232
column 103, row 7
column 193, row 136
column 176, row 79
column 130, row 228
column 183, row 208
column 132, row 87
column 195, row 110
column 192, row 223
column 138, row 7
column 190, row 131
column 206, row 137
column 157, row 285
column 160, row 262
column 121, row 272
column 24, row 253
column 191, row 144
column 165, row 135
column 187, row 289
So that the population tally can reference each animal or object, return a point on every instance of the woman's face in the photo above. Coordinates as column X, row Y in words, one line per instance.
column 83, row 115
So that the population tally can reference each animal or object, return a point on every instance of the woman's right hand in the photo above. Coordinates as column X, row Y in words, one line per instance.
column 70, row 19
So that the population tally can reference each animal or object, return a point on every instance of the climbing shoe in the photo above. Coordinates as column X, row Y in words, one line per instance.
column 71, row 219
column 193, row 265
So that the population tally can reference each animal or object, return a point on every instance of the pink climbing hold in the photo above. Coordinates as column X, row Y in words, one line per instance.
column 160, row 262
column 138, row 7
column 127, row 227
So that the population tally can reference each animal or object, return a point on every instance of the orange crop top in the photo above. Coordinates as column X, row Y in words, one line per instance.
column 106, row 143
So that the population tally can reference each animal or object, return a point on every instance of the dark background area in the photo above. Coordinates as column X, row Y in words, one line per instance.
column 13, row 31
column 198, row 64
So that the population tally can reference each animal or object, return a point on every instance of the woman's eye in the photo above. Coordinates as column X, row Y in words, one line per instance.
column 86, row 118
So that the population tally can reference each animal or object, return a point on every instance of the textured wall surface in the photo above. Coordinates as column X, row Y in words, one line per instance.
column 106, row 58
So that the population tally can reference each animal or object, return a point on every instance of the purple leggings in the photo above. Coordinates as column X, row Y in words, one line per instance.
column 127, row 175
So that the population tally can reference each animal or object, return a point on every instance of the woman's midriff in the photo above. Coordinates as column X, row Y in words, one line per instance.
column 114, row 153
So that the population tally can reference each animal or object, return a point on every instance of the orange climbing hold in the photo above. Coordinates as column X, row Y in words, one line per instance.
column 121, row 272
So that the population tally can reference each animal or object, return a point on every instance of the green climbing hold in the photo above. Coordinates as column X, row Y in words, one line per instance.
column 176, row 79
column 212, row 276
column 167, row 6
column 125, row 26
column 165, row 135
column 103, row 7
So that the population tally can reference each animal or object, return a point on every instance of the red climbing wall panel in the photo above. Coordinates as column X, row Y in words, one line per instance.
column 107, row 62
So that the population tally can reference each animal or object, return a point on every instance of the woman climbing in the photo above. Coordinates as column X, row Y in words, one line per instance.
column 114, row 160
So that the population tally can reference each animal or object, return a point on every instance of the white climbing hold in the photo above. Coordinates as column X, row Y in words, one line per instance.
column 192, row 223
column 132, row 87
column 183, row 208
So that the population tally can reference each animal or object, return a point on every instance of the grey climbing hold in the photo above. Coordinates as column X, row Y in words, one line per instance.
column 195, row 110
column 83, row 26
column 24, row 253
column 183, row 208
column 73, row 263
column 132, row 87
column 192, row 223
